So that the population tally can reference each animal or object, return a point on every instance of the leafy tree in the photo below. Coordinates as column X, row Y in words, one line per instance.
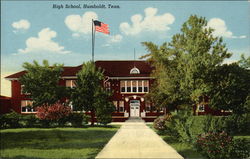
column 182, row 65
column 244, row 62
column 229, row 88
column 41, row 82
column 89, row 95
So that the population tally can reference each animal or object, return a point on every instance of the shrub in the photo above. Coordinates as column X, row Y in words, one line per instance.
column 214, row 145
column 235, row 124
column 29, row 121
column 10, row 120
column 53, row 112
column 240, row 149
column 162, row 123
column 78, row 119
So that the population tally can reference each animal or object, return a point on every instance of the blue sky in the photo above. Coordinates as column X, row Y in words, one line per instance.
column 35, row 31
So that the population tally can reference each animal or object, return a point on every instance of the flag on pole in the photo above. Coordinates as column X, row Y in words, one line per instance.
column 101, row 27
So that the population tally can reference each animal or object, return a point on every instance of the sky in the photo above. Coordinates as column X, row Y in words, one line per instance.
column 37, row 30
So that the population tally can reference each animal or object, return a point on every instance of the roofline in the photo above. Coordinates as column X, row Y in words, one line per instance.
column 74, row 77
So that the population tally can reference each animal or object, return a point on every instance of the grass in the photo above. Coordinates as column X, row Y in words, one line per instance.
column 54, row 142
column 185, row 150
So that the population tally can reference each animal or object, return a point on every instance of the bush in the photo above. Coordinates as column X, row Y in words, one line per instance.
column 162, row 123
column 10, row 120
column 215, row 145
column 188, row 127
column 53, row 112
column 240, row 149
column 235, row 124
column 78, row 119
column 29, row 121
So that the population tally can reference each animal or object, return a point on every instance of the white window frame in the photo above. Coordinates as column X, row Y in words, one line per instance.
column 200, row 106
column 137, row 86
column 26, row 102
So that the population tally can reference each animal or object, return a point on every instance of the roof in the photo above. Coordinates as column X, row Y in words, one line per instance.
column 111, row 69
column 122, row 68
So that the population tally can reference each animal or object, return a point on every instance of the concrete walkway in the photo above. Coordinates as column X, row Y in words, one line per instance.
column 136, row 140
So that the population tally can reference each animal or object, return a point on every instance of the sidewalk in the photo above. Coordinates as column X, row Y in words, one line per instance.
column 135, row 140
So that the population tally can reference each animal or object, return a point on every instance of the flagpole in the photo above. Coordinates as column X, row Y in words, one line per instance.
column 92, row 40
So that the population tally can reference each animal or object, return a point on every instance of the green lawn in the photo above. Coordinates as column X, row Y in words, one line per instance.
column 54, row 142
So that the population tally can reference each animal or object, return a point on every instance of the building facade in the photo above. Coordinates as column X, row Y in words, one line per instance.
column 129, row 81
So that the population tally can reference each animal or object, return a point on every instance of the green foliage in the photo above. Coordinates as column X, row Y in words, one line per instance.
column 182, row 65
column 78, row 119
column 215, row 145
column 10, row 120
column 244, row 62
column 229, row 88
column 41, row 82
column 162, row 123
column 237, row 124
column 240, row 149
column 89, row 95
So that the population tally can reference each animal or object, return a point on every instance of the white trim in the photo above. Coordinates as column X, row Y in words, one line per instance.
column 137, row 71
column 68, row 77
column 11, row 79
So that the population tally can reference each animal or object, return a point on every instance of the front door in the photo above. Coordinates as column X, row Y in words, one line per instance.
column 134, row 108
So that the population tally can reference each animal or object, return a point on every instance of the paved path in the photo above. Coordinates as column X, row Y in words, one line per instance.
column 136, row 140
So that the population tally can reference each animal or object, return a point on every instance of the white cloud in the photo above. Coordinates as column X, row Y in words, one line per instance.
column 220, row 28
column 150, row 22
column 115, row 38
column 80, row 24
column 43, row 43
column 21, row 24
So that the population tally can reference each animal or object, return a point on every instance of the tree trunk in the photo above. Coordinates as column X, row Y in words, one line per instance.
column 92, row 118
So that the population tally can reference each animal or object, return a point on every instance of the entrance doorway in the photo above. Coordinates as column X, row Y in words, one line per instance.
column 134, row 108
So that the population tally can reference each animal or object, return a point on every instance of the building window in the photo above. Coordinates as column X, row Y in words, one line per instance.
column 121, row 106
column 201, row 108
column 122, row 86
column 129, row 85
column 134, row 86
column 147, row 104
column 146, row 86
column 70, row 83
column 26, row 106
column 116, row 105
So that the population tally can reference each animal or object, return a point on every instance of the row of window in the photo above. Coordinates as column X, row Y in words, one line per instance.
column 134, row 86
column 126, row 86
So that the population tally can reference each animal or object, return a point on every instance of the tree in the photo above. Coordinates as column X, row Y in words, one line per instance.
column 244, row 62
column 229, row 88
column 182, row 65
column 41, row 82
column 89, row 95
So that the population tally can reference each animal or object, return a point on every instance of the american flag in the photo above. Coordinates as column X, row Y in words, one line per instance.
column 101, row 27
